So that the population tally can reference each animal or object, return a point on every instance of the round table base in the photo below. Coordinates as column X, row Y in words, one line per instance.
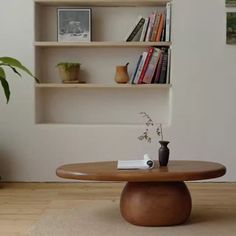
column 155, row 203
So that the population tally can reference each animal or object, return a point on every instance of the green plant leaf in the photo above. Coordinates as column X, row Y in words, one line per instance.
column 15, row 63
column 14, row 70
column 12, row 62
column 2, row 73
column 6, row 88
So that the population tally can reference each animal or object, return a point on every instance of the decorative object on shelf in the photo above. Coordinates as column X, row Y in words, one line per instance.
column 14, row 65
column 230, row 3
column 69, row 72
column 74, row 25
column 164, row 152
column 121, row 76
column 231, row 28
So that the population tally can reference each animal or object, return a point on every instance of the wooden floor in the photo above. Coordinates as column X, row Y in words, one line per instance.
column 22, row 204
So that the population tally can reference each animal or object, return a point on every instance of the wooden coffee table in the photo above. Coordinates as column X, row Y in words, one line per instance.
column 156, row 197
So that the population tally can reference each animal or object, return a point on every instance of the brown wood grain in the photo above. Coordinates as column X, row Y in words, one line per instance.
column 178, row 170
column 155, row 203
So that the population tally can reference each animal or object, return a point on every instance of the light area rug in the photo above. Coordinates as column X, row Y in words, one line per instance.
column 102, row 218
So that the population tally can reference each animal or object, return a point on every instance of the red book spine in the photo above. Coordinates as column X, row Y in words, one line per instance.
column 150, row 52
column 148, row 77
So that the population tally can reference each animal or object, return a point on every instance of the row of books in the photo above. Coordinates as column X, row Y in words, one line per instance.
column 154, row 28
column 153, row 67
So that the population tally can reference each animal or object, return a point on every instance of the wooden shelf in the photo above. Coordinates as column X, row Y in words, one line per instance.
column 101, row 44
column 93, row 85
column 117, row 3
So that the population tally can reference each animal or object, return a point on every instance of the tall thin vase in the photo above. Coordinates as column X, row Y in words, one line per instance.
column 164, row 153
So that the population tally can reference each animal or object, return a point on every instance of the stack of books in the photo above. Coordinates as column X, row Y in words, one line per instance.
column 153, row 67
column 154, row 28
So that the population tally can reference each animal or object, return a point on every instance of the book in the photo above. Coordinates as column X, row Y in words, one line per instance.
column 160, row 27
column 136, row 69
column 168, row 22
column 163, row 35
column 144, row 30
column 155, row 28
column 145, row 66
column 158, row 68
column 168, row 67
column 136, row 34
column 150, row 26
column 140, row 67
column 163, row 73
column 136, row 28
column 151, row 67
column 136, row 38
column 132, row 27
column 145, row 163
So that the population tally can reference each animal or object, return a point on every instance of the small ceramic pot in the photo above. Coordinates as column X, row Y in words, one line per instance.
column 121, row 76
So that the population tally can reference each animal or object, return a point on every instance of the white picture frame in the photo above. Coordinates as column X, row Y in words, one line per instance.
column 74, row 25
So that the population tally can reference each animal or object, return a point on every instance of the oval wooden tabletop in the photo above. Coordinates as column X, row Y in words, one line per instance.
column 175, row 171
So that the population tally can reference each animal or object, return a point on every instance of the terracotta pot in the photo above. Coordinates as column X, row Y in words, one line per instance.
column 69, row 74
column 121, row 76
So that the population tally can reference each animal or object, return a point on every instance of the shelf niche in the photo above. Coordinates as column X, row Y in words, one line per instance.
column 108, row 24
column 101, row 106
column 100, row 100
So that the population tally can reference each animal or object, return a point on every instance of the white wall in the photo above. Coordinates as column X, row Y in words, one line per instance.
column 203, row 94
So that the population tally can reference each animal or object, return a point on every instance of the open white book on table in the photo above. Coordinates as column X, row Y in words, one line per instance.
column 145, row 163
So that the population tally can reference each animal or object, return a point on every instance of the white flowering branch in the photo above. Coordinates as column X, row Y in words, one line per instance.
column 149, row 123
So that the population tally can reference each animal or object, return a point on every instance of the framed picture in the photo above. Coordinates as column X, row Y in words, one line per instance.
column 231, row 28
column 230, row 3
column 74, row 25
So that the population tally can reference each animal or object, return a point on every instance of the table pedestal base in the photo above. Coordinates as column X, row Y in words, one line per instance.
column 155, row 203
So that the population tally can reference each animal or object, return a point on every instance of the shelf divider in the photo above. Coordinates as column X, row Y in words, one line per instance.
column 101, row 44
column 117, row 3
column 100, row 85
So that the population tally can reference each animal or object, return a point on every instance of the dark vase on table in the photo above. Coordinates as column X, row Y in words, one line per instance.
column 164, row 153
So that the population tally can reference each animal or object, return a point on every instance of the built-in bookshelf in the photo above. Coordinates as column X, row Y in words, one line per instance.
column 99, row 100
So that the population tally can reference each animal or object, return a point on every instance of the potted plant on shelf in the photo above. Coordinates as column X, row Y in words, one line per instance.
column 163, row 150
column 14, row 65
column 69, row 72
